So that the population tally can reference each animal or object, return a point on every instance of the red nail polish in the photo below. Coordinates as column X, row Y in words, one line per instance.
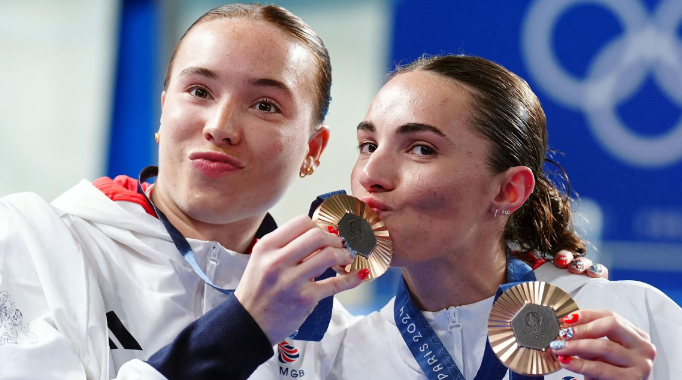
column 333, row 230
column 571, row 318
column 564, row 359
column 363, row 274
column 563, row 260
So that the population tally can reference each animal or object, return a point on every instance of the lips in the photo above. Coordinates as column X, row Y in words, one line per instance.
column 214, row 164
column 378, row 206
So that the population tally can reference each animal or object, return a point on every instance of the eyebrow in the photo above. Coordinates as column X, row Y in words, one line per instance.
column 267, row 82
column 405, row 128
column 197, row 70
column 259, row 82
column 366, row 126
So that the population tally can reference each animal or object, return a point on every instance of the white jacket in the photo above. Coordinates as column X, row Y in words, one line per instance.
column 374, row 349
column 90, row 288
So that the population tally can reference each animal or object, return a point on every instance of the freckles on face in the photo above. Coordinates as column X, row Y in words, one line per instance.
column 238, row 64
column 429, row 161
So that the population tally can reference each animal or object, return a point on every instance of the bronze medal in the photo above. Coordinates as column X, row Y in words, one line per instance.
column 365, row 234
column 522, row 323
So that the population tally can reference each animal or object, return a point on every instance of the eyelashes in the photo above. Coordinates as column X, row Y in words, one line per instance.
column 418, row 149
column 264, row 105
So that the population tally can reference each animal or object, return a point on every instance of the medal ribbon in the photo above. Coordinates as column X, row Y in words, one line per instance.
column 312, row 329
column 429, row 351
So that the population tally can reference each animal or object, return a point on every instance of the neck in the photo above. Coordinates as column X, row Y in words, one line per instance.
column 456, row 279
column 236, row 236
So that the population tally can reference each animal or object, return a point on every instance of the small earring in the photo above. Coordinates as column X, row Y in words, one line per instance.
column 157, row 137
column 317, row 163
column 495, row 216
column 505, row 212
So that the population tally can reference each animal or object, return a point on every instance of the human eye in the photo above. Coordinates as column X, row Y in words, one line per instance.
column 267, row 105
column 422, row 150
column 199, row 92
column 367, row 147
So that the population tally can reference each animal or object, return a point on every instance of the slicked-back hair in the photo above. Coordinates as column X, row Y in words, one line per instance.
column 507, row 113
column 289, row 24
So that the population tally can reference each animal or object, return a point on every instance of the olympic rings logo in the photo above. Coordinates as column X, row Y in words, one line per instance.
column 649, row 44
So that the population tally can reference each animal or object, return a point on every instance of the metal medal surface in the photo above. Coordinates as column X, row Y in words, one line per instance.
column 522, row 323
column 365, row 233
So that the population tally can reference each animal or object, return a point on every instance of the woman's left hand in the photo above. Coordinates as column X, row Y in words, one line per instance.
column 579, row 265
column 626, row 354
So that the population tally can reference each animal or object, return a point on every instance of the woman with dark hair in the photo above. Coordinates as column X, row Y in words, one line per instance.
column 452, row 155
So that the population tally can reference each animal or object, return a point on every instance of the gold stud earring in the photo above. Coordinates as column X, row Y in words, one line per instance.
column 157, row 137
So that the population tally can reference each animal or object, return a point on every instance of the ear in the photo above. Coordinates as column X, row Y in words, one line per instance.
column 317, row 143
column 515, row 186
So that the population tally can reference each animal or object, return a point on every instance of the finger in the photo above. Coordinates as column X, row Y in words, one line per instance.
column 321, row 261
column 588, row 315
column 596, row 349
column 600, row 370
column 562, row 259
column 579, row 265
column 338, row 284
column 287, row 232
column 304, row 247
column 340, row 269
column 598, row 271
column 585, row 316
column 612, row 327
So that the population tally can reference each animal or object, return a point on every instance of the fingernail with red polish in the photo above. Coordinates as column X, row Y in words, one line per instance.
column 363, row 274
column 333, row 230
column 571, row 318
column 564, row 359
column 563, row 261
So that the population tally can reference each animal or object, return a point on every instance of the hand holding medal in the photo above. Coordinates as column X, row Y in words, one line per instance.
column 524, row 320
column 365, row 235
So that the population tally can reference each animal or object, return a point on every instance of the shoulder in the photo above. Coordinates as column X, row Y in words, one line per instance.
column 638, row 302
column 124, row 188
column 27, row 210
column 379, row 322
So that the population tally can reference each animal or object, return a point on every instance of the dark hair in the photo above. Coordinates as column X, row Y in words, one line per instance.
column 288, row 23
column 508, row 114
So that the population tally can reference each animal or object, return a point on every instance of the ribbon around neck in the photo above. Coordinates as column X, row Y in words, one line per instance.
column 429, row 351
column 312, row 329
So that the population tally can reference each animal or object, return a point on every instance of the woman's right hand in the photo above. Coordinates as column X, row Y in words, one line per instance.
column 277, row 287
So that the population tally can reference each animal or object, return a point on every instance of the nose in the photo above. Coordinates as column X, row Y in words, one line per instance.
column 378, row 172
column 222, row 126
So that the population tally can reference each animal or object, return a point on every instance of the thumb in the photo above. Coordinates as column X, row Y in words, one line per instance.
column 338, row 284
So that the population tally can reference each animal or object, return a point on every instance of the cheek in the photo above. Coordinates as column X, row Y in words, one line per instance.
column 281, row 152
column 430, row 193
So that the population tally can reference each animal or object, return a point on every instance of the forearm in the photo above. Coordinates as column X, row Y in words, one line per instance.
column 226, row 343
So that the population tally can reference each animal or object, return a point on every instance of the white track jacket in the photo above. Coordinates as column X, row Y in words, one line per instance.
column 374, row 349
column 90, row 288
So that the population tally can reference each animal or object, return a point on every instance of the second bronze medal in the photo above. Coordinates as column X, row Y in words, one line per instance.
column 522, row 323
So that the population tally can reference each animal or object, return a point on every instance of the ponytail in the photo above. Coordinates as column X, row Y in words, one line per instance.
column 544, row 224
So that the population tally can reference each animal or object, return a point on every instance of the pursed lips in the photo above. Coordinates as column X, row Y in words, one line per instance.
column 214, row 164
column 378, row 206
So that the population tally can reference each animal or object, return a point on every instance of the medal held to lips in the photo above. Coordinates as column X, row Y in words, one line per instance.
column 365, row 234
column 522, row 323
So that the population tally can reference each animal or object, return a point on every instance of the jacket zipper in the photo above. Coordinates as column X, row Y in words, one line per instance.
column 453, row 316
